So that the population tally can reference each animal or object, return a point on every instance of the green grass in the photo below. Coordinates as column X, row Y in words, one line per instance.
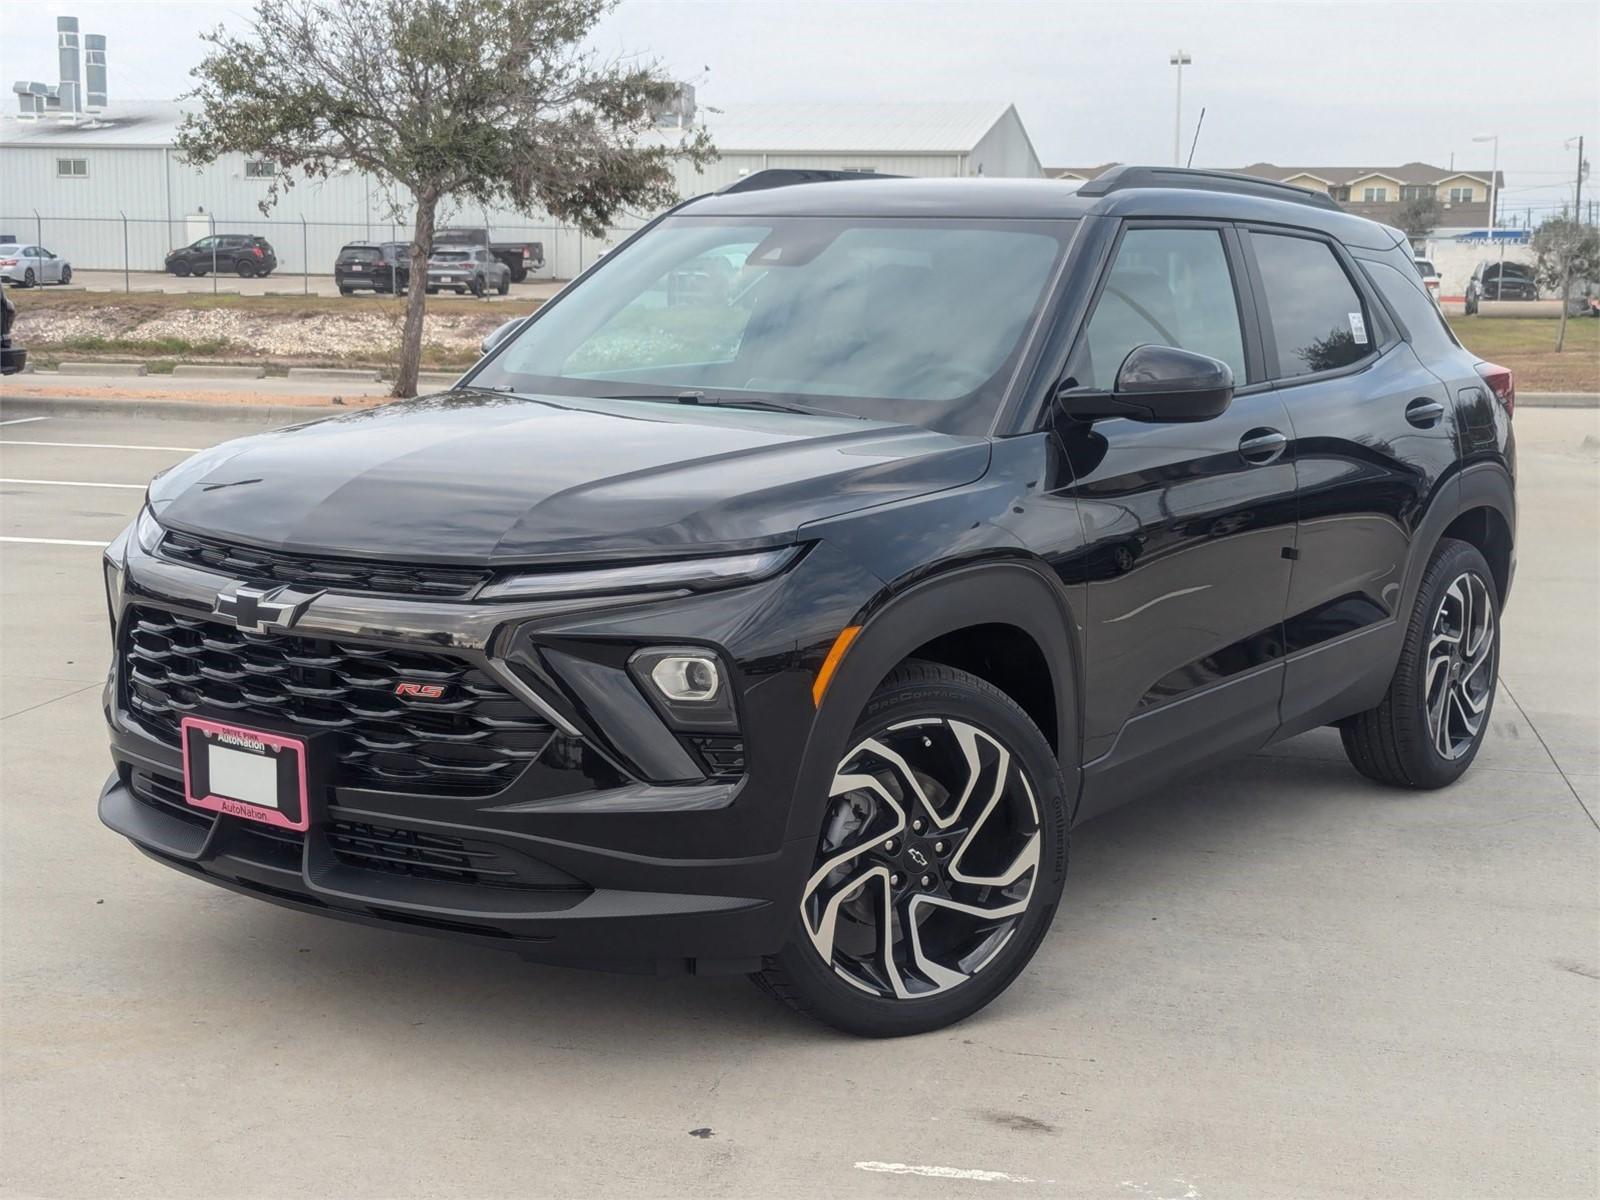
column 142, row 347
column 1528, row 346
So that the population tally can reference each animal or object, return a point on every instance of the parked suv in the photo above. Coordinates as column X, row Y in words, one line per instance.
column 381, row 266
column 788, row 627
column 12, row 358
column 1500, row 281
column 468, row 269
column 241, row 254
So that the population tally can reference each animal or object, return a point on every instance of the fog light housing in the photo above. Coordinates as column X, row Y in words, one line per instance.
column 687, row 678
column 688, row 685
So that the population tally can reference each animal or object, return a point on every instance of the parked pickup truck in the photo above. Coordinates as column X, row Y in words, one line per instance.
column 521, row 257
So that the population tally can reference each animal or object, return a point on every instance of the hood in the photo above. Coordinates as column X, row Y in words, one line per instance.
column 470, row 478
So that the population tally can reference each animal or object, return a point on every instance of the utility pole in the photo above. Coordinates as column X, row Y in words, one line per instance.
column 1179, row 59
column 1566, row 274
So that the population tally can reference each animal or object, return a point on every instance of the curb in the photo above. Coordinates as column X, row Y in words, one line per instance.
column 156, row 407
column 1558, row 399
column 116, row 369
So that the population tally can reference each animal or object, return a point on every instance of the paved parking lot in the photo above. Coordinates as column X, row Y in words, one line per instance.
column 277, row 282
column 1276, row 980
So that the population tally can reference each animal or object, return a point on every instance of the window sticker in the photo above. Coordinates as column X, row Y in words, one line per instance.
column 1358, row 328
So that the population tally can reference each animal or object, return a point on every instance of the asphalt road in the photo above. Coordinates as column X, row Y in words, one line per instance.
column 1273, row 980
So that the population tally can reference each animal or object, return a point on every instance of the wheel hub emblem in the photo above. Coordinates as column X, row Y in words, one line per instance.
column 918, row 857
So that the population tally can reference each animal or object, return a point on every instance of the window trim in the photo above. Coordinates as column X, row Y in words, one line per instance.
column 84, row 174
column 253, row 166
column 1381, row 329
column 1381, row 198
column 1244, row 292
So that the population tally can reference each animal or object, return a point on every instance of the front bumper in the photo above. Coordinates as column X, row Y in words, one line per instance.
column 608, row 869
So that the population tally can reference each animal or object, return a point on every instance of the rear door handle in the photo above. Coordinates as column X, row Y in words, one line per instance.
column 1261, row 446
column 1424, row 413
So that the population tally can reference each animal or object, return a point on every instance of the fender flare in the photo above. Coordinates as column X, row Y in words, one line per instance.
column 1481, row 485
column 1019, row 592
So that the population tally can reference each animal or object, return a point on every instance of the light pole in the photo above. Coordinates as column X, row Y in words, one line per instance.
column 1494, row 176
column 1179, row 59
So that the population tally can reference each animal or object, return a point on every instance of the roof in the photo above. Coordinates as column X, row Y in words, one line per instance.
column 1036, row 199
column 942, row 127
column 1407, row 173
column 128, row 123
column 934, row 127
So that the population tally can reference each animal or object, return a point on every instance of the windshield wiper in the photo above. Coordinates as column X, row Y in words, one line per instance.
column 704, row 401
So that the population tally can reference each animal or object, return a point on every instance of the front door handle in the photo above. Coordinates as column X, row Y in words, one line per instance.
column 1424, row 413
column 1261, row 446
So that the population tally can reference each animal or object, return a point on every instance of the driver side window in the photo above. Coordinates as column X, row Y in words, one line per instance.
column 1167, row 287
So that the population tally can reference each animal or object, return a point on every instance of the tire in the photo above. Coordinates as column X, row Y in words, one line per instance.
column 505, row 285
column 518, row 274
column 245, row 268
column 180, row 269
column 66, row 275
column 29, row 279
column 345, row 291
column 882, row 853
column 1431, row 723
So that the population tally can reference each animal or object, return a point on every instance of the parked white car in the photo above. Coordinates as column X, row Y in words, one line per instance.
column 28, row 266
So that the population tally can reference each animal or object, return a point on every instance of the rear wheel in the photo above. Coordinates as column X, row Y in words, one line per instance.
column 505, row 285
column 345, row 291
column 29, row 278
column 245, row 268
column 939, row 865
column 1431, row 723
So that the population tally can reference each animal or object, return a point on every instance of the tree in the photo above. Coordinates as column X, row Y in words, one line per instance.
column 1564, row 250
column 490, row 101
column 1420, row 215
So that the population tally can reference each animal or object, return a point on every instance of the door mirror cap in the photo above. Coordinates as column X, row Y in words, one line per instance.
column 499, row 335
column 1157, row 384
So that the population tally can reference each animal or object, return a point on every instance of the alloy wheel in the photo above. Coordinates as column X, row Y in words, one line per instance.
column 1459, row 677
column 929, row 857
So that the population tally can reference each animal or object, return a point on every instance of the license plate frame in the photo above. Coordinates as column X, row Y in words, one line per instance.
column 217, row 759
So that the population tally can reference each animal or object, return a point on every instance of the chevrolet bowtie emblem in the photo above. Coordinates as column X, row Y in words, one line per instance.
column 255, row 610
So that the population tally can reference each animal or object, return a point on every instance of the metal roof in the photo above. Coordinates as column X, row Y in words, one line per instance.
column 127, row 123
column 1409, row 173
column 936, row 127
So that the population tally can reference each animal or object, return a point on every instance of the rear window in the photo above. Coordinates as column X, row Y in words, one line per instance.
column 1425, row 268
column 1425, row 325
column 1317, row 318
column 361, row 254
column 452, row 255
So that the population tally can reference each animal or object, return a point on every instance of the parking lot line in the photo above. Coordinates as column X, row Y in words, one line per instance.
column 138, row 487
column 95, row 445
column 54, row 542
column 23, row 420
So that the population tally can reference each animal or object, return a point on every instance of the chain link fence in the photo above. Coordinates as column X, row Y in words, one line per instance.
column 303, row 248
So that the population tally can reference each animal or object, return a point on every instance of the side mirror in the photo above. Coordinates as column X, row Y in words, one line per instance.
column 1158, row 384
column 499, row 335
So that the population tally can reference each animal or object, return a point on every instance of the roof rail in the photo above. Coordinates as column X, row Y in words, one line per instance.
column 777, row 177
column 1121, row 178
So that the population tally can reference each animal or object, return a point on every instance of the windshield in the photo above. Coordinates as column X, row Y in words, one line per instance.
column 918, row 320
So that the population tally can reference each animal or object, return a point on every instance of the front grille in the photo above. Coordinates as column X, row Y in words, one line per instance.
column 336, row 574
column 473, row 740
column 166, row 795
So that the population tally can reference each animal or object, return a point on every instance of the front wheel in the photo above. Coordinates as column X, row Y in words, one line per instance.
column 180, row 269
column 505, row 285
column 66, row 275
column 1430, row 725
column 940, row 862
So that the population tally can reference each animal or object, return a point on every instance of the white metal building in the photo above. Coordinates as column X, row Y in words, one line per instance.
column 111, row 189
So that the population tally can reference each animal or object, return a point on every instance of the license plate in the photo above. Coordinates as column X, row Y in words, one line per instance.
column 245, row 773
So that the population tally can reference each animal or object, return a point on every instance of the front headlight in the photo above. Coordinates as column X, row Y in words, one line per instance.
column 147, row 530
column 688, row 574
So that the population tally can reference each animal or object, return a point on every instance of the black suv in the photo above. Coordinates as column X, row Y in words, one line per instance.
column 787, row 626
column 381, row 266
column 1500, row 281
column 241, row 254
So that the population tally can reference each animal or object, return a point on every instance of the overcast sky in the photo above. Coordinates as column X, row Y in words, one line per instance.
column 1300, row 82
